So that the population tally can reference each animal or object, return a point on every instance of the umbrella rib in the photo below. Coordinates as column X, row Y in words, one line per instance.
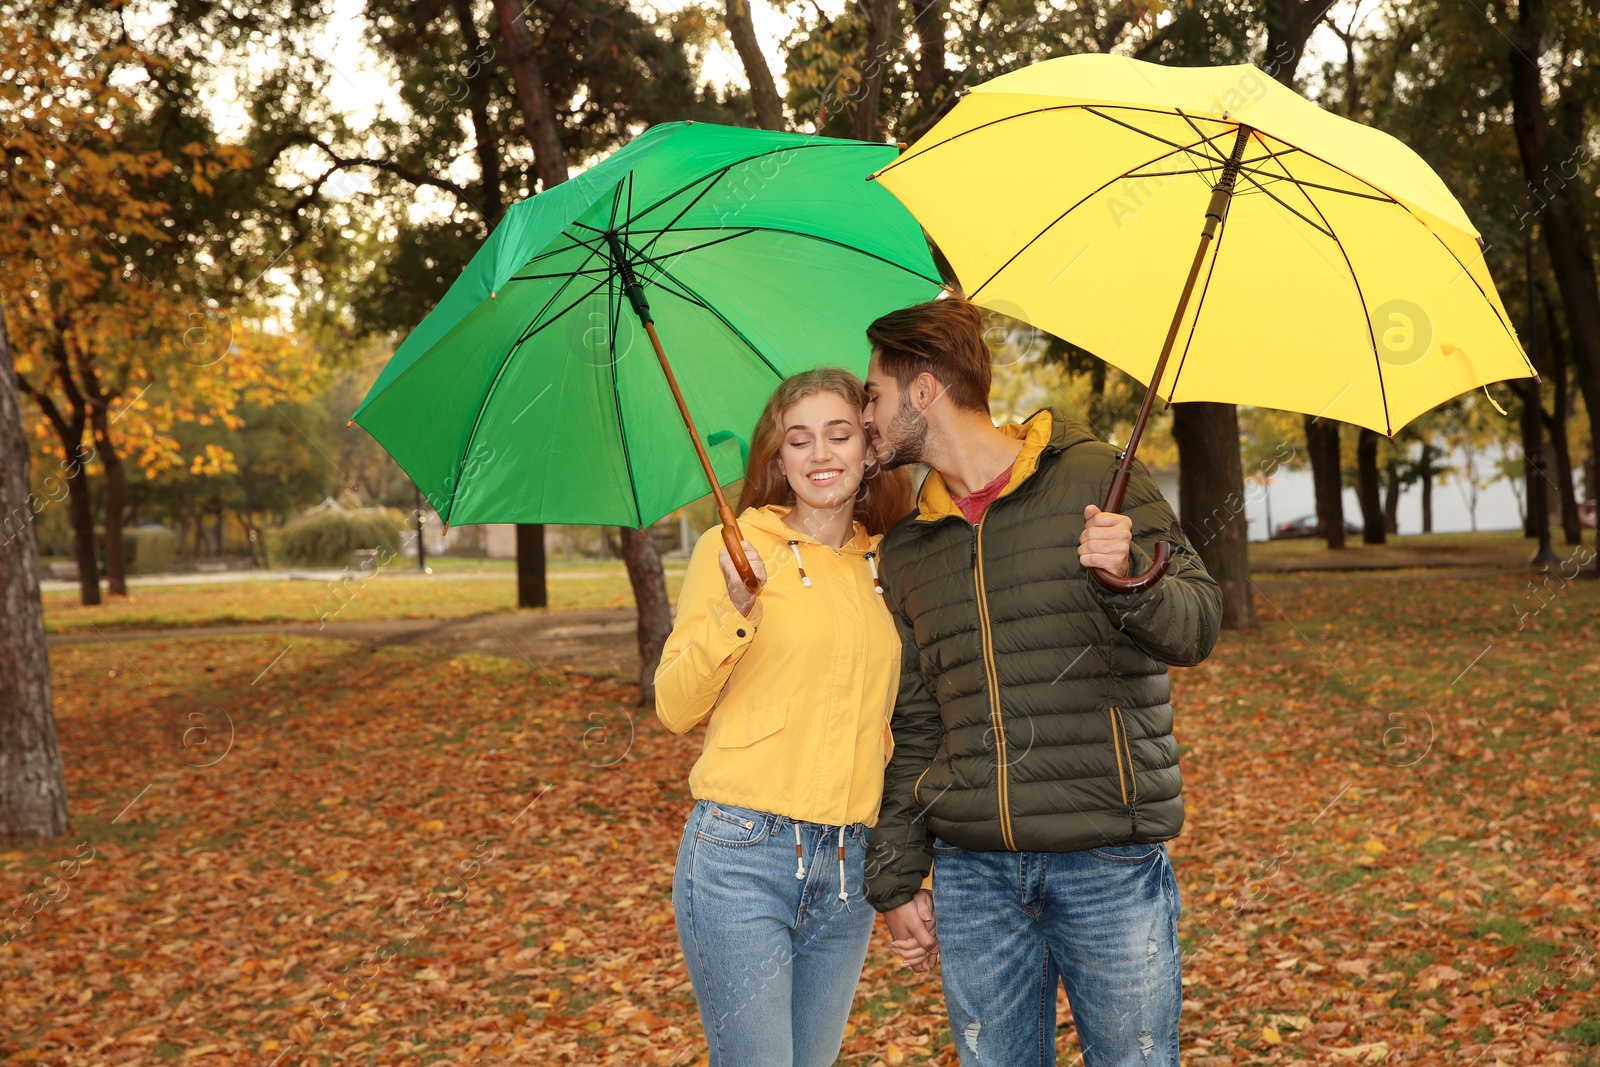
column 483, row 405
column 696, row 298
column 799, row 233
column 594, row 250
column 558, row 274
column 616, row 197
column 1245, row 165
column 613, row 314
column 710, row 180
column 909, row 156
column 1504, row 324
column 1322, row 229
column 1366, row 314
column 548, row 252
column 1384, row 196
column 1335, row 189
column 1194, row 324
column 739, row 162
column 1220, row 159
column 1051, row 225
column 553, row 298
column 643, row 258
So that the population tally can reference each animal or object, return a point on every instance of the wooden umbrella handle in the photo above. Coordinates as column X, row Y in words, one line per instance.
column 1136, row 583
column 1133, row 583
column 734, row 543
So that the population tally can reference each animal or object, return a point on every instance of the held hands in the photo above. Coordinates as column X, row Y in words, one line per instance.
column 911, row 928
column 742, row 598
column 1106, row 541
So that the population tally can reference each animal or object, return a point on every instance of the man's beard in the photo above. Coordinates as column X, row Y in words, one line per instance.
column 901, row 443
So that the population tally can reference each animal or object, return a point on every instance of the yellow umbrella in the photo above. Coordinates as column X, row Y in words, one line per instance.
column 1345, row 282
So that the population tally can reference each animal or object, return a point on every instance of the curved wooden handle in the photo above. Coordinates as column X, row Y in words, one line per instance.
column 733, row 540
column 1136, row 583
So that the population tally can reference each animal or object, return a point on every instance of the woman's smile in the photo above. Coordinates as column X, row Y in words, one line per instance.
column 825, row 475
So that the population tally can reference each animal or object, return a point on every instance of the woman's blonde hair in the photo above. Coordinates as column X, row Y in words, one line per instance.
column 884, row 496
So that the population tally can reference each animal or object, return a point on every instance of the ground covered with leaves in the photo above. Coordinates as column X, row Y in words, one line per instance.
column 335, row 854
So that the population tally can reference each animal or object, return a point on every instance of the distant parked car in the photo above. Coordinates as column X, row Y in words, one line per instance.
column 1306, row 526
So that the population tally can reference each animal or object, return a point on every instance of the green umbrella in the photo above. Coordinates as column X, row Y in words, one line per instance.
column 538, row 390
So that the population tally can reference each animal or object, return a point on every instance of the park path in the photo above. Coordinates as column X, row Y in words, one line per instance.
column 600, row 643
column 594, row 642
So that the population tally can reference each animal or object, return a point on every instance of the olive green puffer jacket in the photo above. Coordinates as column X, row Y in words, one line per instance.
column 1033, row 712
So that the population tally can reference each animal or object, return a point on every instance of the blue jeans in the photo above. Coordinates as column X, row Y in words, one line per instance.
column 774, row 959
column 1103, row 921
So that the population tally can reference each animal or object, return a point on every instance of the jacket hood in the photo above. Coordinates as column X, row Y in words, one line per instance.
column 1046, row 429
column 769, row 520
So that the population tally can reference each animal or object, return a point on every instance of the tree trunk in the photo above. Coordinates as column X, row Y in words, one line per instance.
column 932, row 72
column 1560, row 207
column 532, row 590
column 550, row 162
column 1556, row 424
column 1528, row 525
column 1367, row 489
column 33, row 793
column 763, row 90
column 1391, row 497
column 1322, row 449
column 80, row 514
column 864, row 125
column 1211, row 498
column 1425, row 464
column 69, row 427
column 655, row 611
column 538, row 117
column 480, row 89
column 1535, row 459
column 1290, row 24
column 115, row 510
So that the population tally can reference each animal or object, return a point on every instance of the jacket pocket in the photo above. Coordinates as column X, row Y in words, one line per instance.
column 888, row 743
column 748, row 727
column 1123, row 754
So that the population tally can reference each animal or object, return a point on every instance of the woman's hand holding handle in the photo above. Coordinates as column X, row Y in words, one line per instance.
column 742, row 596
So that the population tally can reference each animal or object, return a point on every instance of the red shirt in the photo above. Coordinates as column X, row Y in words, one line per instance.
column 973, row 506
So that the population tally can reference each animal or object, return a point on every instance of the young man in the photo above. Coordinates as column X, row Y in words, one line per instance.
column 1033, row 749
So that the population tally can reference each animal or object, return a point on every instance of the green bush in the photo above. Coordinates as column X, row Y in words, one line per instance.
column 327, row 538
column 150, row 549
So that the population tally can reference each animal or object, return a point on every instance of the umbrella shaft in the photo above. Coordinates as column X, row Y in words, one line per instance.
column 1215, row 211
column 731, row 537
column 630, row 280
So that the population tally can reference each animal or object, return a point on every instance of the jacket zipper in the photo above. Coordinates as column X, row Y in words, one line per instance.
column 1002, row 781
column 1124, row 757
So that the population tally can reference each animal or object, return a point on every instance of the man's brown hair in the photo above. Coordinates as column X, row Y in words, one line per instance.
column 943, row 337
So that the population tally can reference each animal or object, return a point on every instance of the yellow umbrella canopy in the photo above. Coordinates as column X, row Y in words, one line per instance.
column 1345, row 282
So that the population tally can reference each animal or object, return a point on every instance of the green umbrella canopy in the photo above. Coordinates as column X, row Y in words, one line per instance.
column 531, row 393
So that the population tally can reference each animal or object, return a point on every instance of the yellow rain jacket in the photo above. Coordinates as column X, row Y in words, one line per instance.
column 799, row 694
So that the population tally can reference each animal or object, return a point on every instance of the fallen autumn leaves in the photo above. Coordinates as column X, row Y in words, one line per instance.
column 394, row 857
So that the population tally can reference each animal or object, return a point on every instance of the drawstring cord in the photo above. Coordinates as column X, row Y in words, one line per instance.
column 843, row 894
column 794, row 546
column 805, row 579
column 800, row 863
column 877, row 584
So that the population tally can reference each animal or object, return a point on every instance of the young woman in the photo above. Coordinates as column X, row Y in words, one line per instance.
column 797, row 683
